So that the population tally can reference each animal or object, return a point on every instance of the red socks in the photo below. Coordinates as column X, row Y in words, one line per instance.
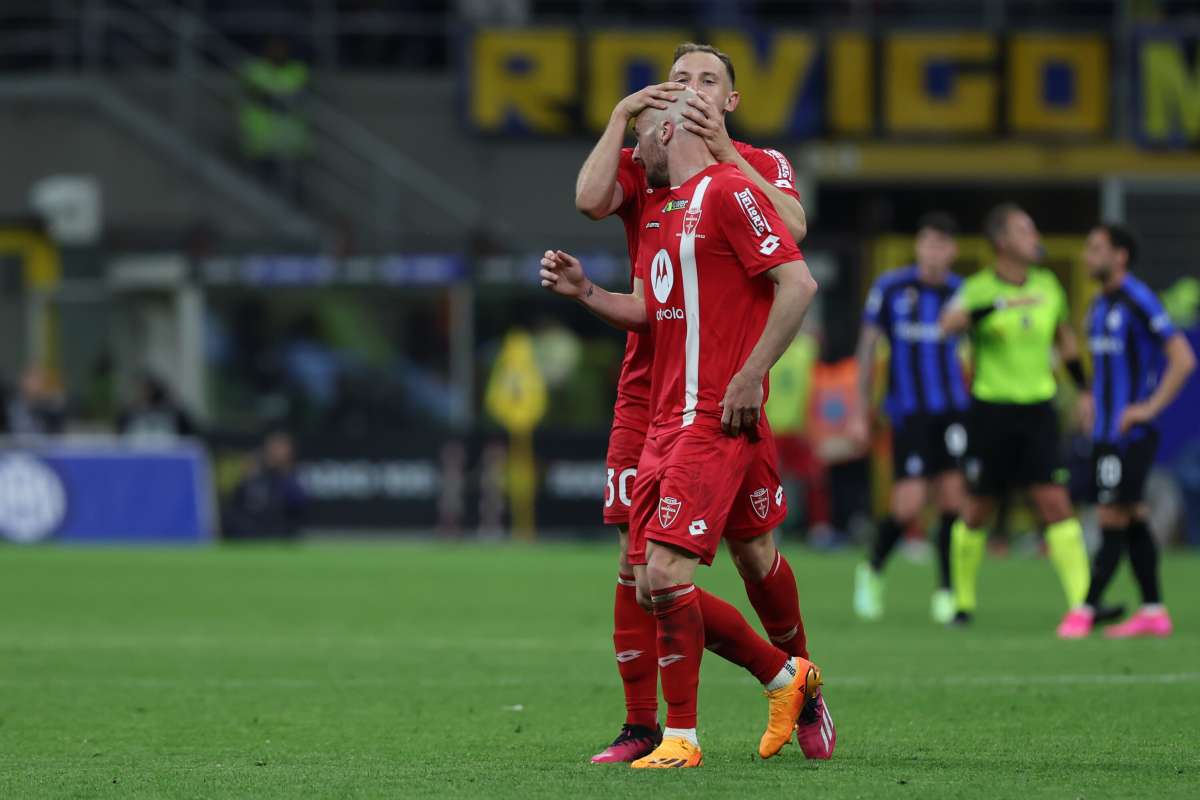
column 778, row 605
column 635, row 635
column 680, row 647
column 685, row 621
column 727, row 634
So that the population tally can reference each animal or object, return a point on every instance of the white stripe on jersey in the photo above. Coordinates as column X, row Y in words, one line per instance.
column 691, row 308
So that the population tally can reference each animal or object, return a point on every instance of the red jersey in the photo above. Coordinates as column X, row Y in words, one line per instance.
column 633, row 388
column 702, row 257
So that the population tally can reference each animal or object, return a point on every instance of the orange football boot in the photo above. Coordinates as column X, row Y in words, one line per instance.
column 674, row 753
column 785, row 705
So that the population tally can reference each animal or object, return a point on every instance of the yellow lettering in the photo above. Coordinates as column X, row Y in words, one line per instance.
column 926, row 90
column 1170, row 96
column 612, row 56
column 770, row 87
column 523, row 80
column 851, row 74
column 1058, row 84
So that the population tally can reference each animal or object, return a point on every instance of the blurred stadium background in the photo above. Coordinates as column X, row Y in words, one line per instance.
column 300, row 236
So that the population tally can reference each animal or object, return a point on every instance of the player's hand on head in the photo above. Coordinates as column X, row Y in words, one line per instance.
column 659, row 96
column 741, row 406
column 703, row 118
column 562, row 273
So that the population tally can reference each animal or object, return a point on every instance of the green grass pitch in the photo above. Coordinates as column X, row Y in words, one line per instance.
column 486, row 671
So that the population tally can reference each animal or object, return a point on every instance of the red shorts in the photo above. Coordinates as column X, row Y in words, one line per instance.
column 624, row 450
column 696, row 485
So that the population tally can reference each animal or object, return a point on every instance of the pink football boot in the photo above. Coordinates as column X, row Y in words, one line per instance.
column 1142, row 623
column 1077, row 624
column 633, row 742
column 814, row 730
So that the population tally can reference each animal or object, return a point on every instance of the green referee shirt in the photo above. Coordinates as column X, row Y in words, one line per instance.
column 1012, row 347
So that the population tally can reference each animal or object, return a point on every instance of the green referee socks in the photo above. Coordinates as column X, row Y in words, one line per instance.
column 1068, row 553
column 966, row 556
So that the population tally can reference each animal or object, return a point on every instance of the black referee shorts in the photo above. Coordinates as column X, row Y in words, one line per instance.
column 1012, row 445
column 1119, row 470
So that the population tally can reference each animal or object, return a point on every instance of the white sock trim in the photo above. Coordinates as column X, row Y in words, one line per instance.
column 682, row 733
column 784, row 677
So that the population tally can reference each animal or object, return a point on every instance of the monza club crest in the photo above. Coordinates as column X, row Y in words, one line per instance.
column 691, row 221
column 760, row 501
column 668, row 510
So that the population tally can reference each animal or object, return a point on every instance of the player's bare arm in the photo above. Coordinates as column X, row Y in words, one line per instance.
column 794, row 292
column 1181, row 362
column 703, row 118
column 860, row 426
column 1067, row 344
column 597, row 192
column 563, row 274
column 954, row 320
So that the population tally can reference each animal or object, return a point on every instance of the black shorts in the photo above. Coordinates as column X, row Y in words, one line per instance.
column 1119, row 470
column 924, row 445
column 1012, row 445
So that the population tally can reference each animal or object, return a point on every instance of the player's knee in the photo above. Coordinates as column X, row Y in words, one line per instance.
column 907, row 499
column 975, row 514
column 1054, row 507
column 753, row 558
column 1113, row 516
column 666, row 568
column 905, row 512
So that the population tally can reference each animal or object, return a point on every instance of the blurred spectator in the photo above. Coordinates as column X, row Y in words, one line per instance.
column 269, row 502
column 274, row 129
column 835, row 402
column 788, row 408
column 154, row 414
column 37, row 408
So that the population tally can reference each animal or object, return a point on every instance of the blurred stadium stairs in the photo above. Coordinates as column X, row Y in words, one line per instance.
column 163, row 76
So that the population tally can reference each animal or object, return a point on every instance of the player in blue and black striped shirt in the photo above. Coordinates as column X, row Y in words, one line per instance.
column 926, row 400
column 1139, row 364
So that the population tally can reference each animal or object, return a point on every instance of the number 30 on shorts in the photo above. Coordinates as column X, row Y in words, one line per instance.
column 621, row 489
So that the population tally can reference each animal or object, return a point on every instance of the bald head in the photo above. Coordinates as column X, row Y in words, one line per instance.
column 673, row 113
column 662, row 137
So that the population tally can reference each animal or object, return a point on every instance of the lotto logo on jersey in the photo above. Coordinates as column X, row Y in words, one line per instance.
column 668, row 511
column 749, row 206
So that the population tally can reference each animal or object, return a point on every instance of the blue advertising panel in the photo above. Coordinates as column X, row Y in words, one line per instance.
column 105, row 492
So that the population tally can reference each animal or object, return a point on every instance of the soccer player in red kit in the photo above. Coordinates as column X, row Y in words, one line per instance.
column 728, row 290
column 612, row 181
